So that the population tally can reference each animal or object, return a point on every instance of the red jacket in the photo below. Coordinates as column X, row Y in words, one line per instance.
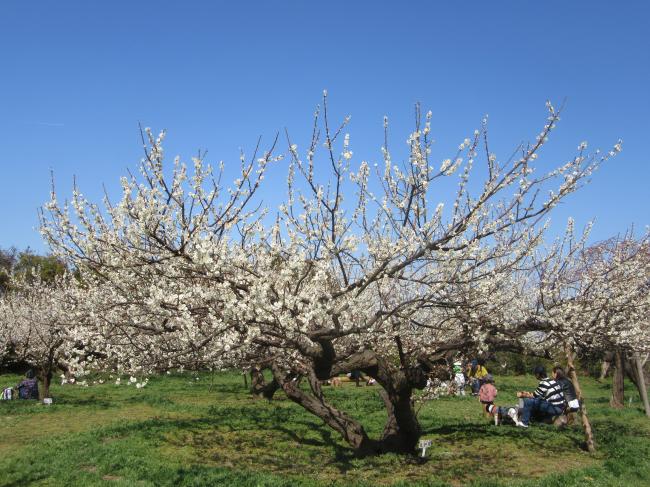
column 487, row 393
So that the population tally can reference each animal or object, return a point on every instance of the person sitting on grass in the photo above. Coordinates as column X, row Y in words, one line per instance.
column 572, row 403
column 28, row 387
column 545, row 402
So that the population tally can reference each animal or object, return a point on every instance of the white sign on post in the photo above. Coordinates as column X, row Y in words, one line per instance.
column 47, row 400
column 424, row 444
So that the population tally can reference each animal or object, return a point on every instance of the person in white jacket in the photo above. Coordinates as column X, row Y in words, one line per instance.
column 459, row 378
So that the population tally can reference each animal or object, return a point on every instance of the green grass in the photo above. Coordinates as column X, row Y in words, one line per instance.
column 182, row 431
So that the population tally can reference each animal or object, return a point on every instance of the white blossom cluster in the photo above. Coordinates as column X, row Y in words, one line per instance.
column 596, row 298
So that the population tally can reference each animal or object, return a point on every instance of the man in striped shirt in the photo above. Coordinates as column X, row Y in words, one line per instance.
column 545, row 402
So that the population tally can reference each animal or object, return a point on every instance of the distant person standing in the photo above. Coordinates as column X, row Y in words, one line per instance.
column 28, row 387
column 476, row 373
column 459, row 378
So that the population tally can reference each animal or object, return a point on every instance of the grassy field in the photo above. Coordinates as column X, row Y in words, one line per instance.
column 181, row 430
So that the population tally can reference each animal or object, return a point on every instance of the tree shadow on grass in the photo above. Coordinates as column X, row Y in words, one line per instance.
column 93, row 402
column 454, row 433
column 36, row 407
column 207, row 435
column 599, row 400
column 217, row 388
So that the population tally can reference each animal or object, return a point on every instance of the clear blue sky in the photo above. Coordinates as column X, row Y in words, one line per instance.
column 76, row 77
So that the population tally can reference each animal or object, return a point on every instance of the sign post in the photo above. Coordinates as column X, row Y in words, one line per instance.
column 424, row 444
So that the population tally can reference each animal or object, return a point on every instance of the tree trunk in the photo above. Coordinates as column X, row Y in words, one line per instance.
column 46, row 379
column 639, row 375
column 260, row 388
column 586, row 424
column 618, row 387
column 402, row 430
column 351, row 430
column 641, row 383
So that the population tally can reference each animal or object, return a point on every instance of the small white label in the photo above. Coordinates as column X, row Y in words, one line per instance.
column 47, row 400
column 424, row 444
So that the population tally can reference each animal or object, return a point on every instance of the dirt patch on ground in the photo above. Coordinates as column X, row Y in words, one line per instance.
column 111, row 477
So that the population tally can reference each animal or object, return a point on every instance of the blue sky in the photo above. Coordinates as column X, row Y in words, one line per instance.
column 76, row 77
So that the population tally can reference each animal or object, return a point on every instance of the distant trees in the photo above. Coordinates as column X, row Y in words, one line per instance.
column 32, row 267
column 31, row 310
column 7, row 261
column 35, row 324
column 594, row 300
column 596, row 297
column 619, row 269
column 28, row 264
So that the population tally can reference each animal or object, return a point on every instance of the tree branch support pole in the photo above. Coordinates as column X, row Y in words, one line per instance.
column 643, row 392
column 586, row 424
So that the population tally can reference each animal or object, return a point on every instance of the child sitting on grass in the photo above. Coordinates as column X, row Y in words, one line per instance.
column 486, row 395
column 28, row 387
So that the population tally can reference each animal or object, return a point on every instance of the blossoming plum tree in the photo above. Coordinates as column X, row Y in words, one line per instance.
column 358, row 270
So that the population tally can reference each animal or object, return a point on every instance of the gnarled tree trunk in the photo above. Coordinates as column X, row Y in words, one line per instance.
column 639, row 376
column 259, row 386
column 402, row 430
column 641, row 384
column 45, row 374
column 350, row 429
column 618, row 381
column 46, row 371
